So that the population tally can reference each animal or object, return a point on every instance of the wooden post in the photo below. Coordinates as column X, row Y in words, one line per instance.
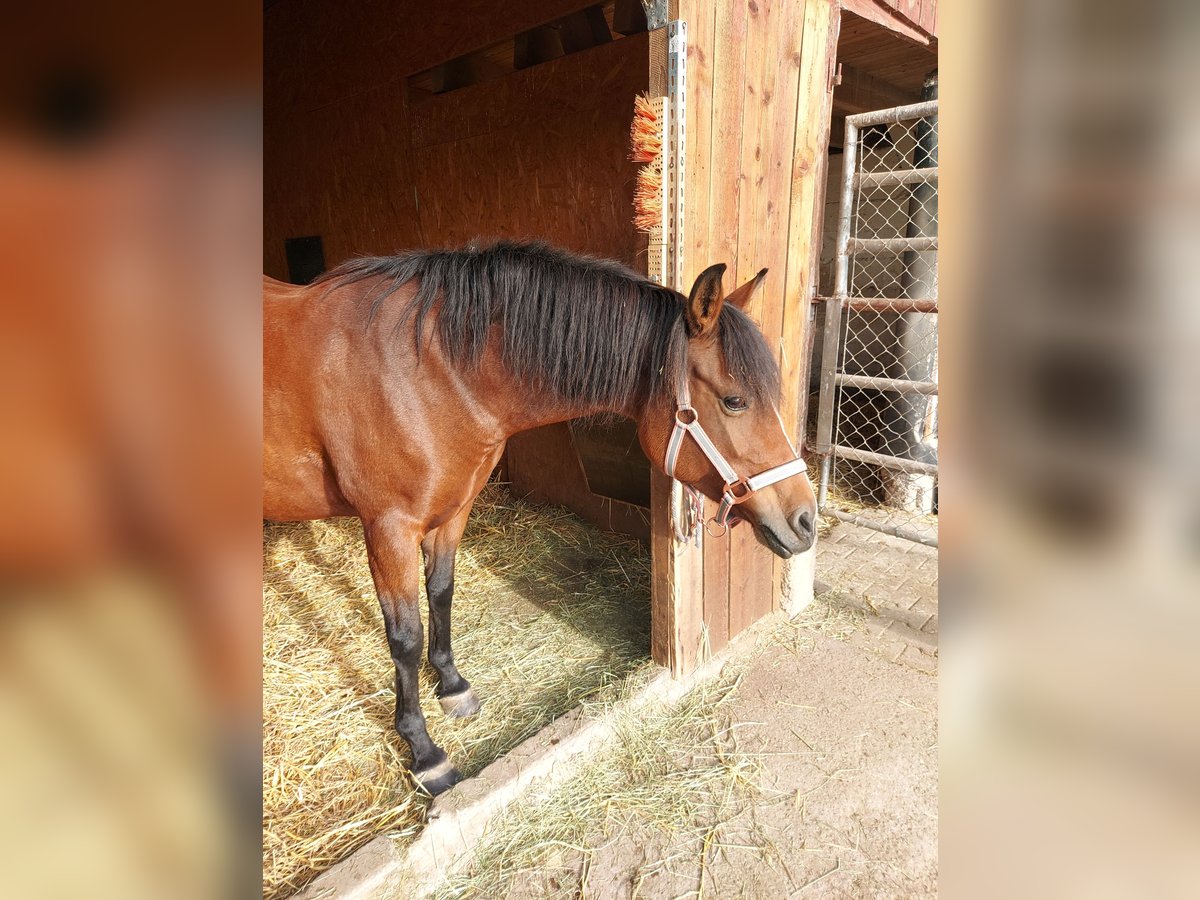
column 758, row 105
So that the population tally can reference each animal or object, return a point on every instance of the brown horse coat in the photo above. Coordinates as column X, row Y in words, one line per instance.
column 391, row 386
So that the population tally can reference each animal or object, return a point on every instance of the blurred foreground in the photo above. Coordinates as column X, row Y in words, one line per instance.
column 130, row 210
column 130, row 540
column 1071, row 533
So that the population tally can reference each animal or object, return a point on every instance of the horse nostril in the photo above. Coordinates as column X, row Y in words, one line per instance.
column 802, row 523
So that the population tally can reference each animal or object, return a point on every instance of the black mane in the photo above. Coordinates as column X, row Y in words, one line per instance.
column 588, row 330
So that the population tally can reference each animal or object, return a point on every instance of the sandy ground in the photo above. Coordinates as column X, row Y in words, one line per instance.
column 842, row 722
column 848, row 790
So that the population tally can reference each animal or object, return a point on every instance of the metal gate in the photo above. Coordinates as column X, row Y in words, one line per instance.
column 877, row 412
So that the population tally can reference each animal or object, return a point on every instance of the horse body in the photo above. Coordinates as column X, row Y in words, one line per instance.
column 391, row 386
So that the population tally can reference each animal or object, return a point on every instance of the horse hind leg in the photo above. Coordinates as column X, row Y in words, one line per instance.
column 440, row 547
column 390, row 549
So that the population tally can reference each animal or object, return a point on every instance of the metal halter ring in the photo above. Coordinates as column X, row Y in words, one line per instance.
column 685, row 415
column 708, row 527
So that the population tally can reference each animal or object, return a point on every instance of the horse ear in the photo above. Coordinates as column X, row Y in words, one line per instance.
column 742, row 296
column 704, row 303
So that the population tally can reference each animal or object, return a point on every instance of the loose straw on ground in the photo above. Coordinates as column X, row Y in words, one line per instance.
column 548, row 612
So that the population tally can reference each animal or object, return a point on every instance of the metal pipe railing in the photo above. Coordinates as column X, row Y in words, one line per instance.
column 900, row 385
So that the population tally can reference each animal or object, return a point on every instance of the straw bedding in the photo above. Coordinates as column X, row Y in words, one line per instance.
column 548, row 612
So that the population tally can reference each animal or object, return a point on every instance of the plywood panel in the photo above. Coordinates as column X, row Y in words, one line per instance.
column 542, row 153
column 337, row 161
column 331, row 50
column 543, row 465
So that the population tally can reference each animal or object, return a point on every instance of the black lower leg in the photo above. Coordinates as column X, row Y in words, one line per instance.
column 405, row 639
column 439, row 584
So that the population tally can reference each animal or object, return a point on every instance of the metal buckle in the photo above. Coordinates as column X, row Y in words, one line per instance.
column 739, row 492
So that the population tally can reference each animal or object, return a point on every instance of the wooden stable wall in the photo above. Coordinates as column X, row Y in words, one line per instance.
column 759, row 84
column 338, row 161
column 357, row 155
column 361, row 152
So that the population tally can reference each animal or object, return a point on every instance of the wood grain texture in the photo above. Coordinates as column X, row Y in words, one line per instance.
column 773, row 56
column 885, row 54
column 542, row 153
column 543, row 465
column 887, row 13
column 767, row 130
column 814, row 97
column 337, row 156
column 703, row 617
column 806, row 190
column 726, row 90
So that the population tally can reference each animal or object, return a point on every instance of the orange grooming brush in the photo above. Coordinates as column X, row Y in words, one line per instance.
column 645, row 134
column 647, row 199
column 646, row 146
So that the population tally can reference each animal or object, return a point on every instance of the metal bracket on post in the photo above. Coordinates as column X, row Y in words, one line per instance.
column 675, row 150
column 656, row 13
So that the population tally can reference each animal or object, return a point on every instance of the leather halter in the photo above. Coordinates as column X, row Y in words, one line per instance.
column 737, row 490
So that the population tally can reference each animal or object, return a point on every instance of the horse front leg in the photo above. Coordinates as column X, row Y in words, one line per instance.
column 440, row 548
column 392, row 551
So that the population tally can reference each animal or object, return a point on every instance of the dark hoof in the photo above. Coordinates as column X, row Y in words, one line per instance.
column 460, row 705
column 437, row 779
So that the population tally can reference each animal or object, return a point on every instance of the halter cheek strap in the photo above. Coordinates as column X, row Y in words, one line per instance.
column 737, row 490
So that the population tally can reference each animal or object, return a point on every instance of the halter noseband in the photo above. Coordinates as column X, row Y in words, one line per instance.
column 737, row 490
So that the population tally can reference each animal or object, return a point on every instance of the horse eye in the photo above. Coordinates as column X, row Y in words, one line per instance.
column 736, row 404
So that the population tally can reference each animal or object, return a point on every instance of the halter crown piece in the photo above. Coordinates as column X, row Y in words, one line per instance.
column 737, row 490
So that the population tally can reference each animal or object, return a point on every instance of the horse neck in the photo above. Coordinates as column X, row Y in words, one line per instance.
column 519, row 406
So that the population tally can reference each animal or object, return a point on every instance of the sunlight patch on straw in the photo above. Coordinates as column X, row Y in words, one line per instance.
column 548, row 612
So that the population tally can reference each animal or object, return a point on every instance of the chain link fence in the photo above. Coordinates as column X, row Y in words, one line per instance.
column 876, row 428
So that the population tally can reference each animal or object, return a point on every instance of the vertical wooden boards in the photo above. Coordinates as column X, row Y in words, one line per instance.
column 726, row 56
column 677, row 582
column 714, row 609
column 768, row 131
column 758, row 120
column 809, row 163
column 814, row 101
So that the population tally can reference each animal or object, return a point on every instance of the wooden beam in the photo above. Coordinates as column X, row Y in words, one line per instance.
column 677, row 570
column 882, row 13
column 537, row 45
column 860, row 92
column 629, row 17
column 583, row 30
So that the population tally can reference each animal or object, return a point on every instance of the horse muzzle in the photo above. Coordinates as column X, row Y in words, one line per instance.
column 785, row 536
